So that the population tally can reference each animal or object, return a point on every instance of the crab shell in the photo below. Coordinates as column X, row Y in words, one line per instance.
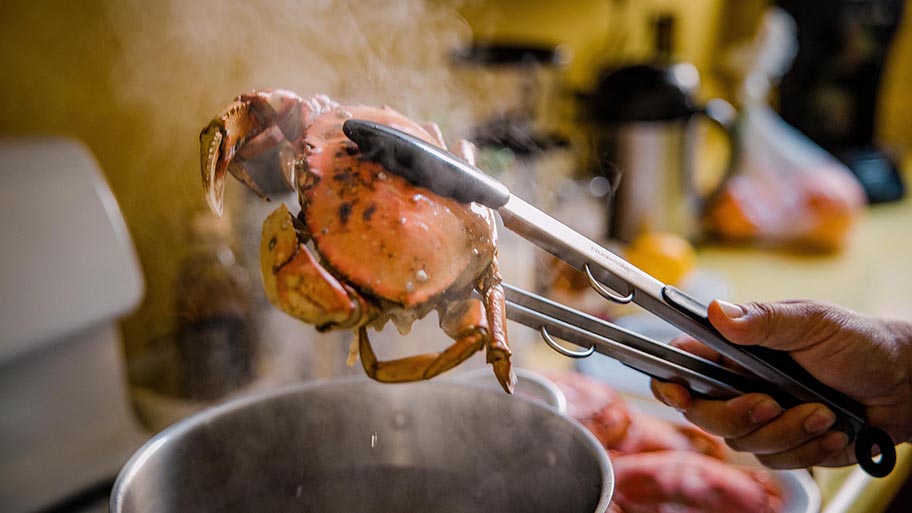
column 367, row 247
column 385, row 237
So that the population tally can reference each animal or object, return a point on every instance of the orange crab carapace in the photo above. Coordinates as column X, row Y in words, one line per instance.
column 367, row 246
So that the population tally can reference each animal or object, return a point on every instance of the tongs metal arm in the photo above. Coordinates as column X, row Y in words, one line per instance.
column 643, row 354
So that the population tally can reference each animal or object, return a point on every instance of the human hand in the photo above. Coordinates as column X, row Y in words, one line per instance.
column 866, row 358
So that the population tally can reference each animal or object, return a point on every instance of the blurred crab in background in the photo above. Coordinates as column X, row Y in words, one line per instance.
column 367, row 247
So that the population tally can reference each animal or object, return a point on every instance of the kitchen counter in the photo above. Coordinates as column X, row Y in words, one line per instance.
column 872, row 275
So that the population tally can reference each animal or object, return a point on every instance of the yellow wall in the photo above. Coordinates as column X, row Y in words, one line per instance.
column 138, row 80
column 57, row 62
column 612, row 31
column 599, row 33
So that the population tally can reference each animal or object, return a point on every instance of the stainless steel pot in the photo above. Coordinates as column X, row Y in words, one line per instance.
column 355, row 445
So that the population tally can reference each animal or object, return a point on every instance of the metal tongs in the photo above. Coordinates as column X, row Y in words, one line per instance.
column 770, row 372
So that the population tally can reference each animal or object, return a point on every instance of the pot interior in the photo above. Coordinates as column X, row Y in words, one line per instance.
column 359, row 446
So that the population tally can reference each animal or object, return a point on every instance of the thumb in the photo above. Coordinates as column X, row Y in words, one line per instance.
column 785, row 326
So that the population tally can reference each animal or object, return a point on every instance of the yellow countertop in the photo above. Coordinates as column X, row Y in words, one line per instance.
column 873, row 274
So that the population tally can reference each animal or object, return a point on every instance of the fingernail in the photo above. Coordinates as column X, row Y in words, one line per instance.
column 819, row 421
column 731, row 310
column 834, row 441
column 764, row 411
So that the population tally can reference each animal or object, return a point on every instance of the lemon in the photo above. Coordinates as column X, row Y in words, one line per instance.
column 666, row 256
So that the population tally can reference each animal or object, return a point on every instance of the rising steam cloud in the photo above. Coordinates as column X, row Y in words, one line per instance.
column 191, row 58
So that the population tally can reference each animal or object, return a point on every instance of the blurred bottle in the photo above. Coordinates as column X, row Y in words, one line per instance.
column 215, row 333
column 643, row 135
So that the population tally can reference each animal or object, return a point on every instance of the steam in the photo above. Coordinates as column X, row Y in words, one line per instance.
column 182, row 62
column 186, row 60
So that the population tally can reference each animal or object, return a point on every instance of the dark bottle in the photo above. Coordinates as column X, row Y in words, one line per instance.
column 214, row 335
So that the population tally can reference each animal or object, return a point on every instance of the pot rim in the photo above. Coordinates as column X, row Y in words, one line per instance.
column 132, row 467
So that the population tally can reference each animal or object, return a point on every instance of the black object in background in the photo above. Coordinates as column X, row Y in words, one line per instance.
column 831, row 91
column 517, row 129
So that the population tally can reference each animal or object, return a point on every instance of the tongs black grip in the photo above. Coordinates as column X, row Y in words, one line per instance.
column 430, row 167
column 868, row 439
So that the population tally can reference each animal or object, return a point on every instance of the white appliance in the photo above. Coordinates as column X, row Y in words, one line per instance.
column 68, row 272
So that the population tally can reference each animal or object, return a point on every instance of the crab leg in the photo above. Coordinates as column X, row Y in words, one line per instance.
column 462, row 320
column 497, row 349
column 253, row 124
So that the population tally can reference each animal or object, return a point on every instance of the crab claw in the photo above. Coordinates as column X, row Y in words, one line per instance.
column 212, row 167
column 296, row 283
column 253, row 124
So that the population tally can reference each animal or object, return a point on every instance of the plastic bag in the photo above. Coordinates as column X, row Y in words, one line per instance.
column 784, row 190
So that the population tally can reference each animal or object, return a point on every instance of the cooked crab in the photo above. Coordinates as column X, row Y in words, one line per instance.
column 690, row 482
column 367, row 247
